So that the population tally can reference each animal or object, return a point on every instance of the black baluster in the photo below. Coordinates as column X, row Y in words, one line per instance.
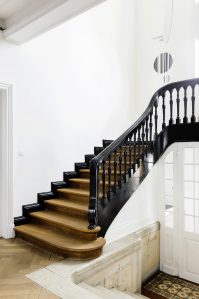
column 151, row 127
column 115, row 187
column 171, row 107
column 139, row 141
column 130, row 155
column 104, row 200
column 193, row 118
column 178, row 121
column 120, row 181
column 185, row 119
column 126, row 175
column 143, row 135
column 147, row 133
column 109, row 193
column 163, row 110
column 156, row 120
column 134, row 148
column 94, row 204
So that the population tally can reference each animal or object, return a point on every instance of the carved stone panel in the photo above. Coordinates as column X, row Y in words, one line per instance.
column 122, row 279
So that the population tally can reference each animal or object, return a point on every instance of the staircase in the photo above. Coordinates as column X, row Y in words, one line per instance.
column 62, row 228
column 67, row 220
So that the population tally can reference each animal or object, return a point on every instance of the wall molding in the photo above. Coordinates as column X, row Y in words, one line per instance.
column 50, row 15
column 7, row 219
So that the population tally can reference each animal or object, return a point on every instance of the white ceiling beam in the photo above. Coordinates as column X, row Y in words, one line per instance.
column 50, row 15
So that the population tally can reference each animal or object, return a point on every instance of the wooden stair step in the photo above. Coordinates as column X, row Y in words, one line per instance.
column 60, row 243
column 73, row 225
column 68, row 207
column 84, row 181
column 75, row 194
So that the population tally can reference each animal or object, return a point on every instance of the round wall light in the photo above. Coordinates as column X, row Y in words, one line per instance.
column 163, row 63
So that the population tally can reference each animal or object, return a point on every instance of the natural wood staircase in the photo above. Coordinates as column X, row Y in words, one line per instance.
column 63, row 227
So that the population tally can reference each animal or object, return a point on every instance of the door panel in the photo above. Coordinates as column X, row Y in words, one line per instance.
column 188, row 218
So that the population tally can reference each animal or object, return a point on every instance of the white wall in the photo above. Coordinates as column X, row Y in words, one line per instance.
column 140, row 211
column 72, row 87
column 150, row 24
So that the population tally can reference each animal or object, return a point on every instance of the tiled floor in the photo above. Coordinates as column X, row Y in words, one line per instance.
column 171, row 287
column 18, row 258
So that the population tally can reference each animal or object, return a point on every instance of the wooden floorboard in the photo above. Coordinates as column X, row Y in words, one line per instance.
column 18, row 258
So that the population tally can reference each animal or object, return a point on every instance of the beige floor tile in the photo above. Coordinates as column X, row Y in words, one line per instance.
column 18, row 258
column 34, row 294
column 22, row 297
column 8, row 297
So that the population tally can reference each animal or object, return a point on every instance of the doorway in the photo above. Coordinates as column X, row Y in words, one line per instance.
column 179, row 206
column 6, row 164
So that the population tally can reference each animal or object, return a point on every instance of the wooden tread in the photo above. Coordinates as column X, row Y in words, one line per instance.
column 68, row 207
column 65, row 220
column 76, row 194
column 60, row 243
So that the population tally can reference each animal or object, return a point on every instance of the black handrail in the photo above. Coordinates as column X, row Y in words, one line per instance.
column 95, row 164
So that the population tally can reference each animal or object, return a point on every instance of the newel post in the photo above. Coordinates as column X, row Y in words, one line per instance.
column 94, row 206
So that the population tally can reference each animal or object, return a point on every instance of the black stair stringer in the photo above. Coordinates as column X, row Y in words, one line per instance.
column 79, row 166
column 58, row 185
column 67, row 175
column 88, row 158
column 41, row 197
column 98, row 150
column 106, row 142
column 35, row 207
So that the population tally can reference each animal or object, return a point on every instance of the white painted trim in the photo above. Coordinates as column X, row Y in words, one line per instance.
column 50, row 15
column 7, row 219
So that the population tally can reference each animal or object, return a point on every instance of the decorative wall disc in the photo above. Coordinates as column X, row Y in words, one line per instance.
column 163, row 63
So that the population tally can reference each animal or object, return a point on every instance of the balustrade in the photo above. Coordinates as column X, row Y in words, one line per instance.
column 138, row 140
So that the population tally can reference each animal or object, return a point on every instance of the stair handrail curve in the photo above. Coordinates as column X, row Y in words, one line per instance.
column 94, row 205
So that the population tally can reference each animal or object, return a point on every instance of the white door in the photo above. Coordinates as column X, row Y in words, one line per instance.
column 188, row 215
column 167, row 186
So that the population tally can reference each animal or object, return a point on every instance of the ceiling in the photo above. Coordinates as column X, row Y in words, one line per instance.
column 9, row 7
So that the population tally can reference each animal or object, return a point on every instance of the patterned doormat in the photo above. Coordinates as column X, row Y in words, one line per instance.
column 173, row 287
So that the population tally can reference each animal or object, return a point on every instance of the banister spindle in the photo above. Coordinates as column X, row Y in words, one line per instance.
column 134, row 148
column 171, row 107
column 94, row 205
column 130, row 155
column 185, row 119
column 139, row 141
column 156, row 120
column 115, row 187
column 193, row 118
column 143, row 136
column 120, row 181
column 125, row 176
column 147, row 134
column 163, row 110
column 104, row 200
column 151, row 127
column 109, row 193
column 178, row 121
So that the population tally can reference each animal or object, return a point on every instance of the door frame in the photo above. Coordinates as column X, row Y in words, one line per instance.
column 6, row 161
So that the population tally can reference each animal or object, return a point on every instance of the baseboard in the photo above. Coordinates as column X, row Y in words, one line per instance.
column 149, row 274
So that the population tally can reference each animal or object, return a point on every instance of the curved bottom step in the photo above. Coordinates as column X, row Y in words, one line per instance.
column 60, row 243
